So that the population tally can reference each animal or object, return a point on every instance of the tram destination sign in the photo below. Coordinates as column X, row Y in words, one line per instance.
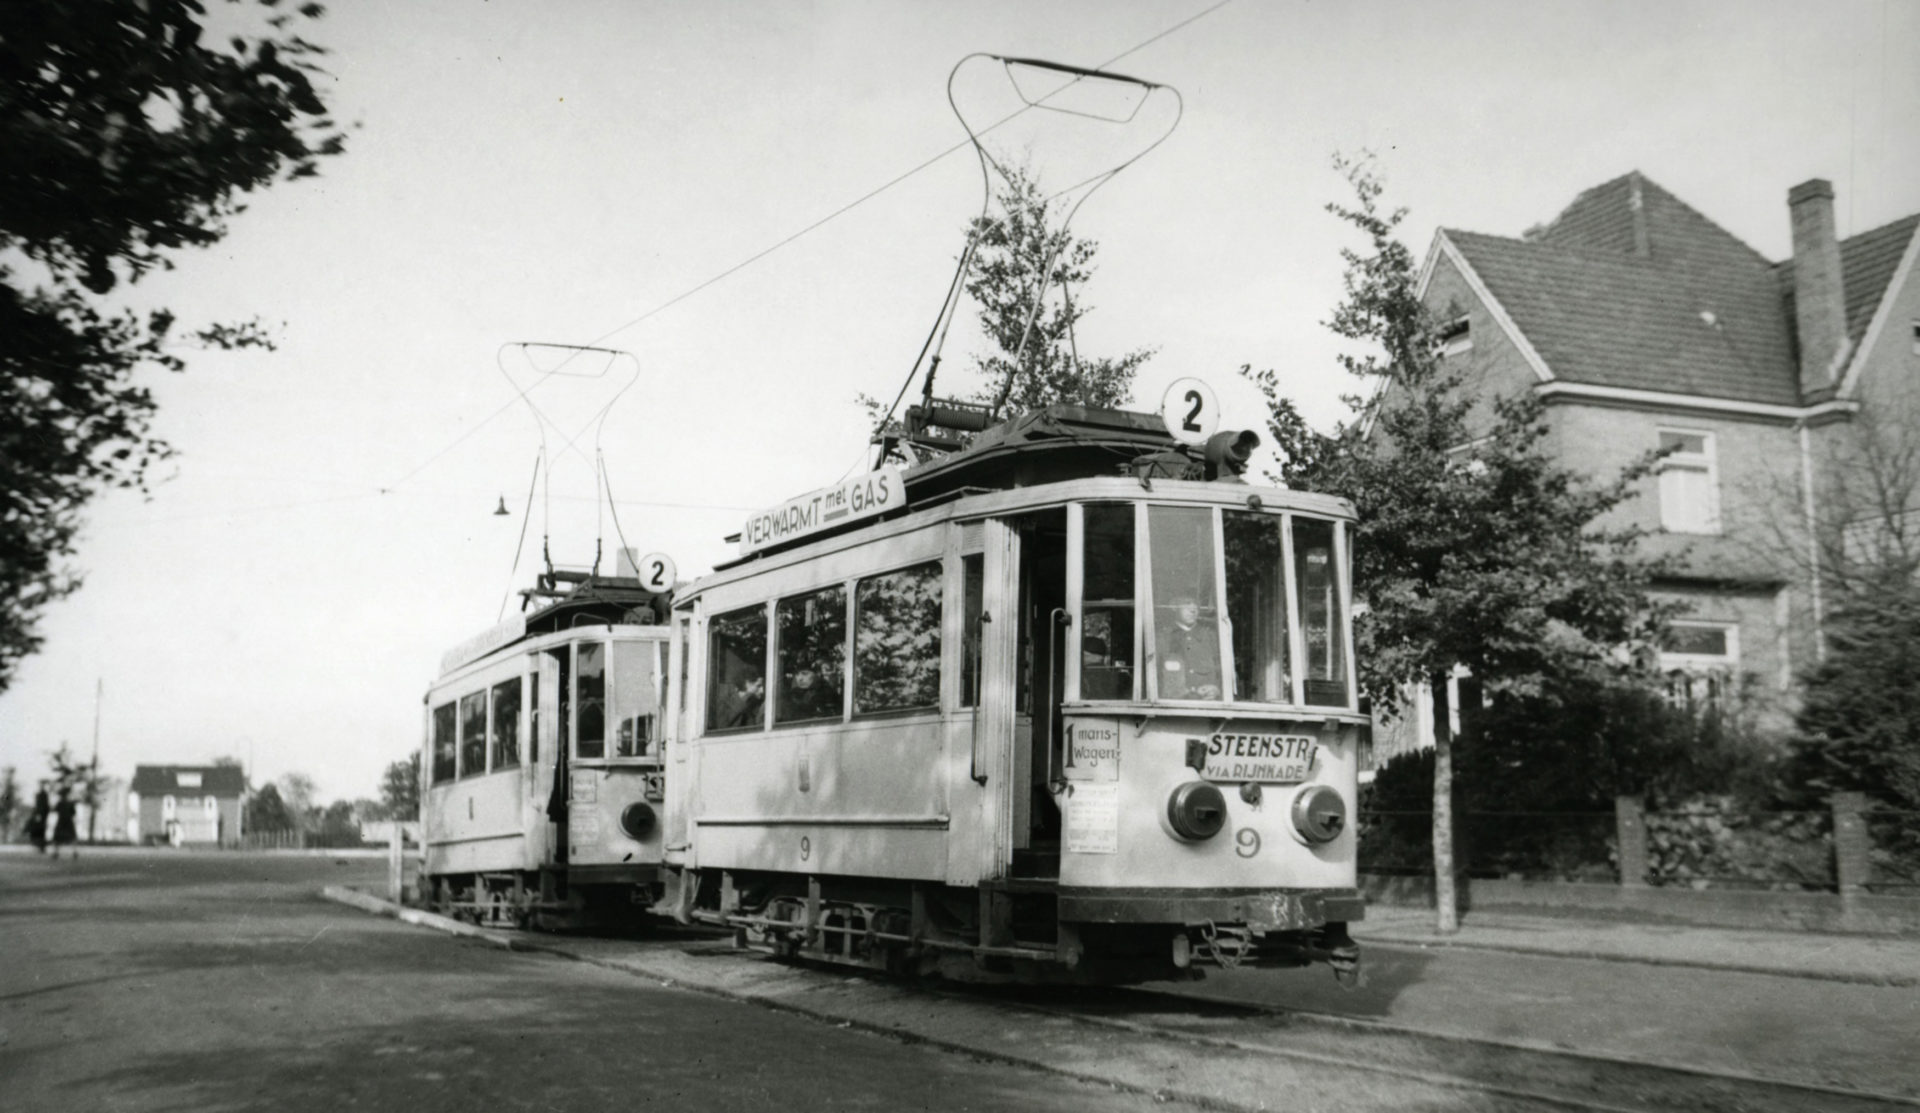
column 864, row 496
column 1273, row 758
column 486, row 641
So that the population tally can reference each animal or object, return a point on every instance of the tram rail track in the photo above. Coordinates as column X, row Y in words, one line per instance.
column 1213, row 1053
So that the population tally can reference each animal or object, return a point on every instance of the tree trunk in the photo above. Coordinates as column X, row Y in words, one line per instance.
column 1446, row 902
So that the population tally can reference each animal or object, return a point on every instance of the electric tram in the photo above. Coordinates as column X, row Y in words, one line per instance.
column 543, row 759
column 1074, row 702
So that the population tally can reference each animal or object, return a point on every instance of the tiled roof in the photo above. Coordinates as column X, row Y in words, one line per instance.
column 215, row 780
column 1630, row 287
column 1626, row 322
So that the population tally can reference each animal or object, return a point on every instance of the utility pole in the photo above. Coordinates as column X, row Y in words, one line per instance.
column 93, row 775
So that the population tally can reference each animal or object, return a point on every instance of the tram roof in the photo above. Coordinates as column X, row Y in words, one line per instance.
column 1057, row 444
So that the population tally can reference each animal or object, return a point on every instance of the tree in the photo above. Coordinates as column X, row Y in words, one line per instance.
column 1475, row 552
column 400, row 790
column 267, row 812
column 78, row 780
column 1022, row 274
column 1020, row 257
column 300, row 796
column 127, row 139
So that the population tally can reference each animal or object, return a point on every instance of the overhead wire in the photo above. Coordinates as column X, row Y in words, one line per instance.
column 789, row 239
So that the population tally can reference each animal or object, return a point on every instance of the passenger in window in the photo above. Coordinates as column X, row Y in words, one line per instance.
column 740, row 706
column 808, row 698
column 1189, row 654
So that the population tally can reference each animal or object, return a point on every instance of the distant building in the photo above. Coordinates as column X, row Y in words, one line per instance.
column 110, row 822
column 186, row 805
column 1645, row 326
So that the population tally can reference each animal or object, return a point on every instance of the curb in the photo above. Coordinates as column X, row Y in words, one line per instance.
column 1843, row 976
column 381, row 907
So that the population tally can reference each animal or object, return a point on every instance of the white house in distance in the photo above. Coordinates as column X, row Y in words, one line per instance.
column 186, row 805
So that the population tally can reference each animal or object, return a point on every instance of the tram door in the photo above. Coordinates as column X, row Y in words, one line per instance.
column 1044, row 640
column 556, row 739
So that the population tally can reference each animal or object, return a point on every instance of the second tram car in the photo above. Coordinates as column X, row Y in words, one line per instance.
column 1074, row 703
column 542, row 761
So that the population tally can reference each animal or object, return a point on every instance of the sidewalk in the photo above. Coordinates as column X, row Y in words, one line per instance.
column 1867, row 959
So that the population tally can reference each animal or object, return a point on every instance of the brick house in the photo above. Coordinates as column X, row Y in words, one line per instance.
column 186, row 805
column 1644, row 326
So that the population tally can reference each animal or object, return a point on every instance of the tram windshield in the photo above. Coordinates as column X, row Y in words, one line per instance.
column 1240, row 606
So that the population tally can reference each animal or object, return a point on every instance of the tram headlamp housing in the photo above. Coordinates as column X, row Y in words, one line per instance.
column 1319, row 815
column 1197, row 810
column 637, row 820
column 1228, row 451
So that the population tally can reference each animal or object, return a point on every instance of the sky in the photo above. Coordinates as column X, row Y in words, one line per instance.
column 596, row 173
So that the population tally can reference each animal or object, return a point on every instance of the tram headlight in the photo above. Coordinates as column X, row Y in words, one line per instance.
column 637, row 820
column 1197, row 810
column 1319, row 814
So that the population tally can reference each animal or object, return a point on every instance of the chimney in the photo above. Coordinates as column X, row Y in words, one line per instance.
column 1819, row 306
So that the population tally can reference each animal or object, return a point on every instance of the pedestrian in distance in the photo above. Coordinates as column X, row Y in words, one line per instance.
column 64, row 833
column 37, row 819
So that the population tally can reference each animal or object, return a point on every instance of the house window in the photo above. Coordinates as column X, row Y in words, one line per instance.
column 1689, row 483
column 187, row 780
column 1699, row 661
column 169, row 807
column 1456, row 337
column 212, row 805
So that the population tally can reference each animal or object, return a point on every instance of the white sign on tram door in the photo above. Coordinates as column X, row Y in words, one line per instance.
column 1093, row 750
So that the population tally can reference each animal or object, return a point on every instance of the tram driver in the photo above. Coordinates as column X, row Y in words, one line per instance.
column 1189, row 653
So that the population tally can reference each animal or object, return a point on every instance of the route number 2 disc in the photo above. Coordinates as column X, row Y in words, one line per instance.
column 1190, row 411
column 657, row 572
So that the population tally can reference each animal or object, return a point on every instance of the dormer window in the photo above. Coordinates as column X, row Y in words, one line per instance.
column 187, row 780
column 1456, row 337
column 1689, row 482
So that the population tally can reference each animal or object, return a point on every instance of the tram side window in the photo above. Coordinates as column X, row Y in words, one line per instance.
column 444, row 744
column 1186, row 621
column 896, row 641
column 737, row 669
column 473, row 734
column 812, row 629
column 973, row 577
column 636, row 698
column 1106, row 608
column 506, row 724
column 1257, row 607
column 590, row 700
column 1319, row 587
column 533, row 718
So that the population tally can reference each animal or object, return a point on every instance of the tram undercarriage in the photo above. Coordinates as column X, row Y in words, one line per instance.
column 1011, row 931
column 553, row 898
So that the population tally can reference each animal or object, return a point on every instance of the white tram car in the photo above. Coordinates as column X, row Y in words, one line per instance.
column 1032, row 710
column 542, row 782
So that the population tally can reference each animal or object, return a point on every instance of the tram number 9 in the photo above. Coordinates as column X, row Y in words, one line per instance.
column 1246, row 842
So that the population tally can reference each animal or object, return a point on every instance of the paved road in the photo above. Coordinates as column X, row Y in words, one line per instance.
column 156, row 981
column 1777, row 1027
